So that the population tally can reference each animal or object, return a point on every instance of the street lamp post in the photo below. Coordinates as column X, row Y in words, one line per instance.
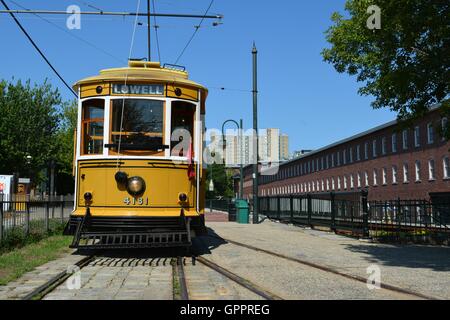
column 241, row 166
column 255, row 132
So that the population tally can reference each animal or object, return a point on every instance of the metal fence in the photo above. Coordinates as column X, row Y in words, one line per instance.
column 220, row 205
column 31, row 215
column 352, row 213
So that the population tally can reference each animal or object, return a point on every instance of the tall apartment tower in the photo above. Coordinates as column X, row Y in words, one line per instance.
column 284, row 147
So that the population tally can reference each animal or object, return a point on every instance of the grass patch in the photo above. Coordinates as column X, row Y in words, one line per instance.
column 15, row 263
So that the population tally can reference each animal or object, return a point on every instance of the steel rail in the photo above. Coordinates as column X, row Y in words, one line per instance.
column 330, row 270
column 239, row 280
column 184, row 295
column 110, row 13
column 51, row 284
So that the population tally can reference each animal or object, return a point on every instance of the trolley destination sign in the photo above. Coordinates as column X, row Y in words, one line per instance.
column 140, row 89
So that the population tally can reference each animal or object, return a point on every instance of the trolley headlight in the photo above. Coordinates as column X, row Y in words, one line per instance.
column 136, row 186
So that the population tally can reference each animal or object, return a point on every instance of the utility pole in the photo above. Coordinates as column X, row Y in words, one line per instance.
column 255, row 132
column 241, row 166
column 148, row 31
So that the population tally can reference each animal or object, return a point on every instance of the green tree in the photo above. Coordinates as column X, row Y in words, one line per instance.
column 65, row 135
column 223, row 182
column 28, row 123
column 405, row 65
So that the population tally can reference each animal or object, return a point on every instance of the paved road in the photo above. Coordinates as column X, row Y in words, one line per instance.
column 421, row 268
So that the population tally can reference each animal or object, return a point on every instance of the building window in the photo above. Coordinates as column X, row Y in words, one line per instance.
column 405, row 139
column 444, row 124
column 431, row 172
column 394, row 174
column 344, row 156
column 317, row 164
column 332, row 160
column 317, row 185
column 417, row 137
column 323, row 185
column 328, row 185
column 384, row 176
column 366, row 150
column 383, row 145
column 417, row 167
column 446, row 167
column 352, row 182
column 332, row 184
column 375, row 177
column 322, row 164
column 430, row 131
column 339, row 183
column 350, row 153
column 405, row 173
column 358, row 152
column 394, row 142
column 359, row 180
column 374, row 148
column 327, row 161
column 345, row 183
column 338, row 158
column 366, row 178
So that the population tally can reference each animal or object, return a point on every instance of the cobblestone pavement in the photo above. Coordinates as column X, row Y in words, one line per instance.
column 203, row 283
column 121, row 279
column 40, row 275
column 420, row 268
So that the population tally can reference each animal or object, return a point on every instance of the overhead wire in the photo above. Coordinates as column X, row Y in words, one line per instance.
column 195, row 32
column 72, row 34
column 38, row 50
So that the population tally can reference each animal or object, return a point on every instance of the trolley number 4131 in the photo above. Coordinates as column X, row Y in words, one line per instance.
column 135, row 201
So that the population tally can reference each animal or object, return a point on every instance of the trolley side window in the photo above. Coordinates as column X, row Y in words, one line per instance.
column 92, row 126
column 182, row 123
column 142, row 123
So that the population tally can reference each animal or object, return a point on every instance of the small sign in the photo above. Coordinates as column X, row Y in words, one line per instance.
column 24, row 180
column 140, row 89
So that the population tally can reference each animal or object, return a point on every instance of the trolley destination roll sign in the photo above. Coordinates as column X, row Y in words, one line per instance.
column 139, row 89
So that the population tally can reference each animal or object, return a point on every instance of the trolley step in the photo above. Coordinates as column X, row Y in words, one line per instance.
column 96, row 240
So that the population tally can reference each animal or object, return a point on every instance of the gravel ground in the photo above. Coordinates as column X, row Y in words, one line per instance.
column 289, row 280
column 423, row 269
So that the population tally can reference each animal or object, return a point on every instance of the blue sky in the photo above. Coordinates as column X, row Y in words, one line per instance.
column 299, row 93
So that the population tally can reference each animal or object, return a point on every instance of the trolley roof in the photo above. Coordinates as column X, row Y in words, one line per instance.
column 141, row 71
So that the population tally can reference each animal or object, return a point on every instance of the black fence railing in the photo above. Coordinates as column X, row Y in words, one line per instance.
column 352, row 213
column 219, row 204
column 22, row 214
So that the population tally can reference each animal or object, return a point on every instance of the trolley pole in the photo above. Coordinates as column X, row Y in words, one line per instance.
column 255, row 132
column 148, row 31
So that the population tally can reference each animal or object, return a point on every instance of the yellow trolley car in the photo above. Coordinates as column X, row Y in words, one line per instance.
column 139, row 178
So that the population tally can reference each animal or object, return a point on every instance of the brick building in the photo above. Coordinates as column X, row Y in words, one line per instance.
column 391, row 161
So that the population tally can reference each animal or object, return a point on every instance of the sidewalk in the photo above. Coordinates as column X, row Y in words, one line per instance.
column 215, row 216
column 420, row 268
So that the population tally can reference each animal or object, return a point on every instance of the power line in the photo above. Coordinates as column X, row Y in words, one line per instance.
column 110, row 13
column 73, row 35
column 195, row 32
column 38, row 50
column 156, row 31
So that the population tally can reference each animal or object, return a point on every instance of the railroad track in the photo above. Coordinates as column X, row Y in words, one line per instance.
column 40, row 292
column 328, row 269
column 182, row 287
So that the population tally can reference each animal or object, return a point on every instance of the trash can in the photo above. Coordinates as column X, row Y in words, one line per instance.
column 242, row 209
column 232, row 211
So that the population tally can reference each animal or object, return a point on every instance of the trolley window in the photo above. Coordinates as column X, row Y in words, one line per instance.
column 142, row 123
column 92, row 126
column 182, row 127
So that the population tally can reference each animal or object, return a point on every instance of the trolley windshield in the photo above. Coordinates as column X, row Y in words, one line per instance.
column 137, row 124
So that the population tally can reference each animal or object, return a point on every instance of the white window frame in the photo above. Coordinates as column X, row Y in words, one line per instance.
column 394, row 142
column 417, row 170
column 394, row 174
column 431, row 170
column 430, row 133
column 417, row 136
column 405, row 173
column 405, row 139
column 446, row 167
